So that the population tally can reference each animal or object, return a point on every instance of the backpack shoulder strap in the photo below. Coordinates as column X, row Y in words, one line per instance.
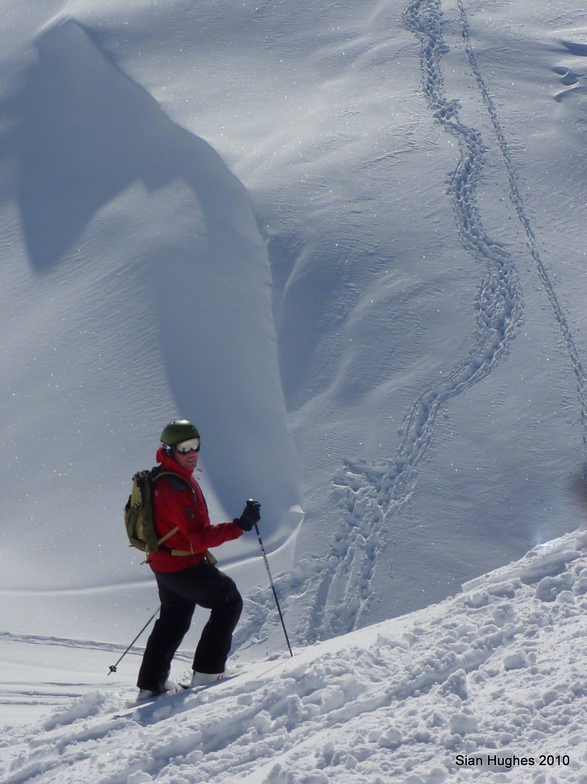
column 157, row 473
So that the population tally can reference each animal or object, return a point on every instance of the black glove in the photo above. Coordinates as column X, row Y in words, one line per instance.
column 250, row 516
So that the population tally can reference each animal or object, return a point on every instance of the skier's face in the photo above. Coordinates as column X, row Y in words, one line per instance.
column 189, row 460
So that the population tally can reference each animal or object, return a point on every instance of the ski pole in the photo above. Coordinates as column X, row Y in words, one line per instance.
column 114, row 666
column 273, row 587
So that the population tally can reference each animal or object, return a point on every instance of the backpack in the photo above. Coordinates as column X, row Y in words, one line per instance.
column 138, row 512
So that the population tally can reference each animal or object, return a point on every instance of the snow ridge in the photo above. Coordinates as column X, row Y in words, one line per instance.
column 370, row 494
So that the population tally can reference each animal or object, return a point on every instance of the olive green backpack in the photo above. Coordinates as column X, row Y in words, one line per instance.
column 140, row 520
column 138, row 512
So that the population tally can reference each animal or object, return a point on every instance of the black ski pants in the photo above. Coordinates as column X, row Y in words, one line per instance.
column 180, row 592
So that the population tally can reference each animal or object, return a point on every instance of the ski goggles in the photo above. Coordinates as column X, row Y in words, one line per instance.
column 191, row 445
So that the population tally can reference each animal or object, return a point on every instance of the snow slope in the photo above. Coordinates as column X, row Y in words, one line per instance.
column 84, row 135
column 347, row 238
column 461, row 691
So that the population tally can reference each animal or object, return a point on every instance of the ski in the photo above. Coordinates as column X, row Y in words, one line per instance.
column 165, row 705
column 170, row 698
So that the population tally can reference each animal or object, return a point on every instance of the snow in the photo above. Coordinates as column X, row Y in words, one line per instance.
column 348, row 240
column 462, row 691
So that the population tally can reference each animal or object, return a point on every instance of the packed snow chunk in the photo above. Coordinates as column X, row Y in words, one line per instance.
column 391, row 738
column 278, row 775
column 462, row 724
column 465, row 630
column 515, row 661
column 263, row 723
column 547, row 560
column 436, row 776
column 550, row 587
column 544, row 560
column 328, row 752
column 456, row 683
column 503, row 613
column 314, row 778
column 507, row 589
column 477, row 599
column 384, row 641
column 140, row 777
column 550, row 695
column 165, row 745
column 350, row 762
column 87, row 706
column 580, row 587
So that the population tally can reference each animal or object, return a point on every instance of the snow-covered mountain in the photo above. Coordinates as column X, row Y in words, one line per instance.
column 348, row 240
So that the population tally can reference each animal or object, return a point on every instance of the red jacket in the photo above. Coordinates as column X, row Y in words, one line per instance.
column 177, row 504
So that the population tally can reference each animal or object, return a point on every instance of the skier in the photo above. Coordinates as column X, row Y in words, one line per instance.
column 185, row 576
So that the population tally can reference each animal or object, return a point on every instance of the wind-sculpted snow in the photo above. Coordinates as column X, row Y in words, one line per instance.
column 136, row 288
column 372, row 494
column 192, row 332
column 453, row 692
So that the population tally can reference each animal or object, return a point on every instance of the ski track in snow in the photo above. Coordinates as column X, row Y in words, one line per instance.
column 497, row 669
column 66, row 642
column 57, row 688
column 518, row 203
column 370, row 493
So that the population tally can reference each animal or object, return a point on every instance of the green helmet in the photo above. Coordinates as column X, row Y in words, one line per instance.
column 177, row 431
